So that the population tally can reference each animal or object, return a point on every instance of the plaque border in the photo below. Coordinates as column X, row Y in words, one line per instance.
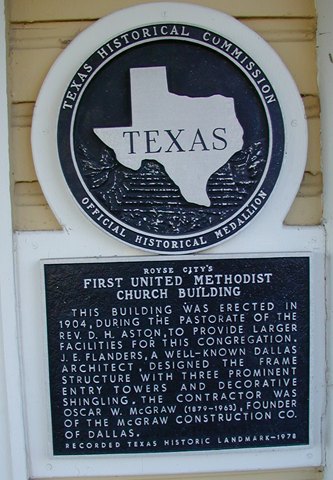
column 193, row 259
column 202, row 461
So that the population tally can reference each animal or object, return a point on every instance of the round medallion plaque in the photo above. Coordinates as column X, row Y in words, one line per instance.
column 170, row 133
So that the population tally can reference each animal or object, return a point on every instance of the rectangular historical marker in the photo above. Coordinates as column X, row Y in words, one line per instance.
column 150, row 355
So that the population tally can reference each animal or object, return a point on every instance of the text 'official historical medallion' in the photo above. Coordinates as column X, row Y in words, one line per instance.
column 170, row 137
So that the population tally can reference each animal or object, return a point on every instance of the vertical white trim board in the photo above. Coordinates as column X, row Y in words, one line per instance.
column 12, row 452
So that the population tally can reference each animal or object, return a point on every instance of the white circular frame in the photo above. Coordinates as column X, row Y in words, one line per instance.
column 44, row 127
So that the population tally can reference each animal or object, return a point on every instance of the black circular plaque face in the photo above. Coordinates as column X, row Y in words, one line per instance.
column 170, row 137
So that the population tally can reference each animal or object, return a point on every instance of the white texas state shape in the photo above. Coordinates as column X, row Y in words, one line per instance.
column 192, row 137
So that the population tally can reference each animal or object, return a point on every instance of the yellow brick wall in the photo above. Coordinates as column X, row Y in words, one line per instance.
column 40, row 29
